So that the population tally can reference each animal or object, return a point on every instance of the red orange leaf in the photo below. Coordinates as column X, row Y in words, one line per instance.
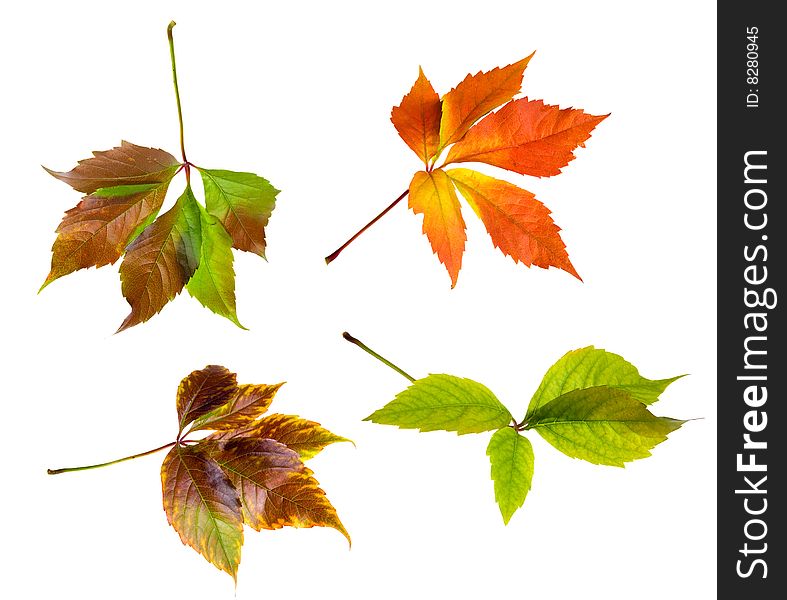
column 97, row 230
column 127, row 164
column 275, row 488
column 526, row 136
column 475, row 96
column 417, row 118
column 161, row 260
column 247, row 403
column 432, row 194
column 517, row 223
column 202, row 391
column 307, row 438
column 203, row 506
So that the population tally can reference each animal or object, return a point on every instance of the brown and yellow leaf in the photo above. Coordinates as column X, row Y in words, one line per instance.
column 475, row 96
column 432, row 194
column 518, row 224
column 203, row 506
column 127, row 164
column 204, row 390
column 97, row 230
column 248, row 402
column 275, row 487
column 161, row 260
column 417, row 118
column 307, row 438
column 527, row 137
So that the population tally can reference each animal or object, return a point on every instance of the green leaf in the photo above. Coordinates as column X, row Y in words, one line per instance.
column 444, row 402
column 589, row 367
column 512, row 461
column 602, row 425
column 213, row 283
column 203, row 506
column 243, row 202
column 161, row 260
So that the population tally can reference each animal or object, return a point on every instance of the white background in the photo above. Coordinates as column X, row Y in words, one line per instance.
column 301, row 93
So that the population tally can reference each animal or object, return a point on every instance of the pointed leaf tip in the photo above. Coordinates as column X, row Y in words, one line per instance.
column 433, row 195
column 512, row 461
column 602, row 425
column 528, row 137
column 476, row 96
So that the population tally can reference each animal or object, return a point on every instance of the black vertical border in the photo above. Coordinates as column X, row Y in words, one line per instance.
column 741, row 129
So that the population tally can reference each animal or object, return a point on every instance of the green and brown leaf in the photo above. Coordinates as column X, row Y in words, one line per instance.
column 189, row 246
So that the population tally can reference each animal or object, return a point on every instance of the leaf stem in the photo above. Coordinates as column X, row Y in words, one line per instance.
column 331, row 257
column 177, row 93
column 385, row 361
column 112, row 462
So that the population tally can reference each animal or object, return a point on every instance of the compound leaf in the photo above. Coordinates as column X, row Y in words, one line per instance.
column 512, row 459
column 444, row 402
column 203, row 506
column 190, row 245
column 601, row 425
column 590, row 367
column 517, row 223
column 243, row 202
column 274, row 486
column 127, row 164
column 202, row 391
column 527, row 137
column 417, row 118
column 432, row 194
column 161, row 260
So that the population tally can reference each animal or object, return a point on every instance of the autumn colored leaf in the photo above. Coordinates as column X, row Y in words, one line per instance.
column 417, row 119
column 244, row 406
column 202, row 505
column 161, row 260
column 190, row 245
column 475, row 96
column 127, row 164
column 250, row 470
column 203, row 391
column 526, row 136
column 306, row 437
column 517, row 223
column 275, row 487
column 97, row 230
column 433, row 195
column 591, row 405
